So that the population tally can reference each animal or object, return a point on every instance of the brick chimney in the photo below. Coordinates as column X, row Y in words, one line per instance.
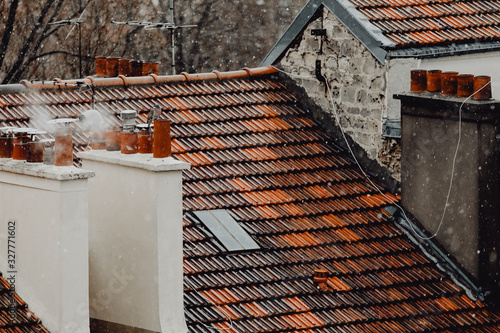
column 136, row 275
column 430, row 131
column 44, row 237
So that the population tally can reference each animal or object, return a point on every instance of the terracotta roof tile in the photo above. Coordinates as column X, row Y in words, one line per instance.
column 255, row 153
column 416, row 23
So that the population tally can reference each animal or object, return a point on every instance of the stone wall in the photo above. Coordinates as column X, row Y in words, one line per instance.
column 358, row 85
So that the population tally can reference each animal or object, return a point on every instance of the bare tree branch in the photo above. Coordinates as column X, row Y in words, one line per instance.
column 4, row 44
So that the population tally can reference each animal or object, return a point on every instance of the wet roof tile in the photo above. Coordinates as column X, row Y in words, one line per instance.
column 259, row 156
column 431, row 22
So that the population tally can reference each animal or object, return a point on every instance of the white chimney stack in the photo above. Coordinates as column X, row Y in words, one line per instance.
column 44, row 240
column 136, row 275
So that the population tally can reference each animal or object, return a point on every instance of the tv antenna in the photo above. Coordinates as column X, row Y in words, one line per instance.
column 171, row 26
column 75, row 23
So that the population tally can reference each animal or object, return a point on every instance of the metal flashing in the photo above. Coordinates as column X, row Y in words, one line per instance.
column 295, row 29
column 369, row 35
column 433, row 252
column 444, row 50
column 225, row 228
column 391, row 128
column 345, row 11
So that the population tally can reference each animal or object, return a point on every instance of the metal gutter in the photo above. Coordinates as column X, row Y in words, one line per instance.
column 444, row 51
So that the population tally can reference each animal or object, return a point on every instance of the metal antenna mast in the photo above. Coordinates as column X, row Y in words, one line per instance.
column 75, row 22
column 161, row 25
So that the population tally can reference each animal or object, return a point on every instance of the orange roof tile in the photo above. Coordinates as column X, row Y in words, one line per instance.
column 255, row 153
column 417, row 23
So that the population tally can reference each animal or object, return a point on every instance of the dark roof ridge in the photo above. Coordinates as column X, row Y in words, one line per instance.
column 124, row 81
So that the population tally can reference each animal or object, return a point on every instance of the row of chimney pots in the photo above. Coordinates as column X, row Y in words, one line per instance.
column 114, row 66
column 24, row 144
column 451, row 83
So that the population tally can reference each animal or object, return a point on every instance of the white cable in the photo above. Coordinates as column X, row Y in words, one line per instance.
column 376, row 187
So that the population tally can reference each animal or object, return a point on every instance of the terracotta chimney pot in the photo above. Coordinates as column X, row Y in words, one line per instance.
column 136, row 68
column 482, row 87
column 434, row 80
column 112, row 66
column 124, row 67
column 19, row 146
column 147, row 68
column 6, row 146
column 418, row 80
column 35, row 152
column 465, row 85
column 100, row 66
column 145, row 141
column 162, row 146
column 63, row 151
column 113, row 140
column 449, row 83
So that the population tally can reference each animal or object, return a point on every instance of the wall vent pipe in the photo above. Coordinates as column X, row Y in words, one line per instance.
column 161, row 139
column 320, row 275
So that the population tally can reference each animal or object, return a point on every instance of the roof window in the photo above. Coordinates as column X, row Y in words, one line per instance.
column 225, row 228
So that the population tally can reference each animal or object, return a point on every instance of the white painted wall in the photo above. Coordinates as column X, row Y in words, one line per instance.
column 487, row 63
column 50, row 207
column 398, row 73
column 136, row 263
column 398, row 81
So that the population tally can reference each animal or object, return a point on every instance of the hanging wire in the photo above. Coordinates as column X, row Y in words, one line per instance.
column 368, row 178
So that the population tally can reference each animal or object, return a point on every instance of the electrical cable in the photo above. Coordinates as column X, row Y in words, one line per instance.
column 368, row 178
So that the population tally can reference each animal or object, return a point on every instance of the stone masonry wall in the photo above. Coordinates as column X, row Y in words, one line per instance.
column 358, row 85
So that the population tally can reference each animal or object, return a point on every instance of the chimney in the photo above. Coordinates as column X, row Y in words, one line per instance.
column 44, row 237
column 136, row 262
column 431, row 125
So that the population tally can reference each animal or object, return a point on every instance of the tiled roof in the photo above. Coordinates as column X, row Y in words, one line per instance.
column 427, row 22
column 14, row 313
column 256, row 153
column 405, row 28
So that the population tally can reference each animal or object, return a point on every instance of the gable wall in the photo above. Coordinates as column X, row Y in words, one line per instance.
column 358, row 84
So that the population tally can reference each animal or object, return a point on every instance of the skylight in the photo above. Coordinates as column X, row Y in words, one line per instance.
column 225, row 228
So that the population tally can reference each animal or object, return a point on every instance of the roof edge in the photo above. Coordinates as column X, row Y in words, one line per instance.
column 123, row 81
column 293, row 31
column 437, row 51
column 368, row 34
column 403, row 221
